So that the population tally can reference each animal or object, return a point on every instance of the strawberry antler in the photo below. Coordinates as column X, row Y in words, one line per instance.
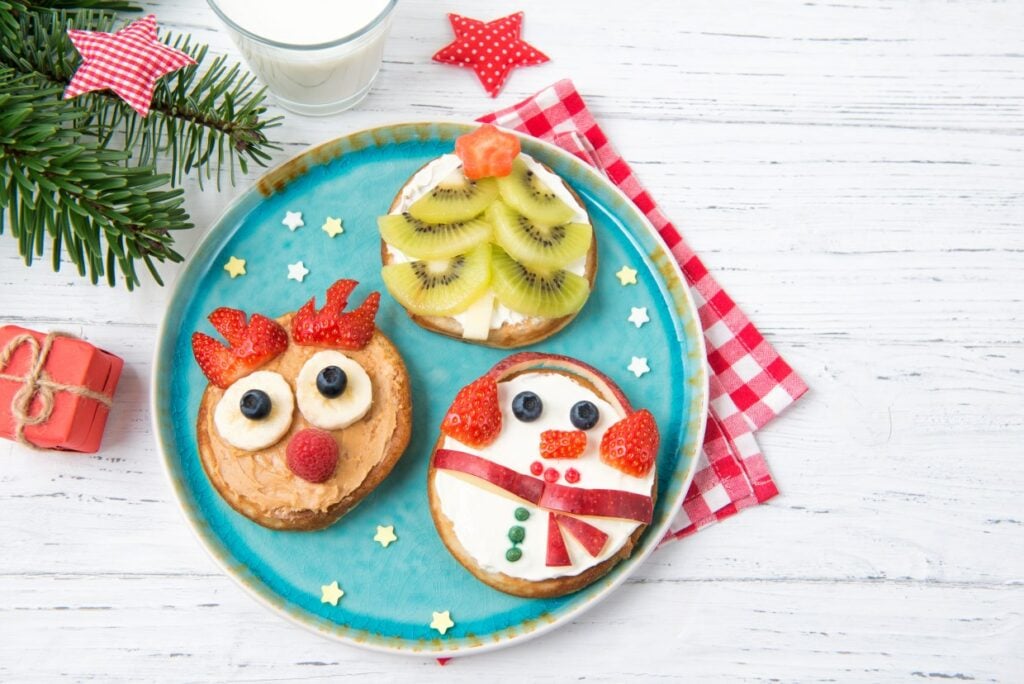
column 250, row 345
column 230, row 323
column 331, row 327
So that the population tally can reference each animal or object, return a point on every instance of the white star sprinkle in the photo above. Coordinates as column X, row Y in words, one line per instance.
column 638, row 366
column 293, row 219
column 638, row 315
column 297, row 271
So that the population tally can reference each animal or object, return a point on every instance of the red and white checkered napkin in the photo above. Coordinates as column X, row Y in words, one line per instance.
column 750, row 383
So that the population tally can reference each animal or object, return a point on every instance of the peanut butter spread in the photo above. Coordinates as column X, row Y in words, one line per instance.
column 260, row 481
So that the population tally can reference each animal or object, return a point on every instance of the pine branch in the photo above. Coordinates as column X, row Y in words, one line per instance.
column 82, row 174
column 76, row 5
column 56, row 183
column 202, row 118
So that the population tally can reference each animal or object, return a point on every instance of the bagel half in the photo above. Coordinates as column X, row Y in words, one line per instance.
column 482, row 498
column 510, row 334
column 259, row 485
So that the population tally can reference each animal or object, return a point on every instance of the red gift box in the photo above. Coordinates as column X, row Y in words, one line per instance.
column 55, row 390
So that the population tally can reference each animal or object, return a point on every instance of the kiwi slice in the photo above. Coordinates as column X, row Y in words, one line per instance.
column 545, row 293
column 422, row 240
column 440, row 287
column 530, row 196
column 536, row 244
column 455, row 198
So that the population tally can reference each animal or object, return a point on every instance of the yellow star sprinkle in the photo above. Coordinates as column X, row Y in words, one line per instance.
column 332, row 226
column 385, row 535
column 442, row 622
column 330, row 593
column 235, row 266
column 626, row 276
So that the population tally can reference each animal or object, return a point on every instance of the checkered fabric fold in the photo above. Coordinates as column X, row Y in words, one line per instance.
column 750, row 383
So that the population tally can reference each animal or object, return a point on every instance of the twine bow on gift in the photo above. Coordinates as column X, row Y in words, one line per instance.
column 37, row 383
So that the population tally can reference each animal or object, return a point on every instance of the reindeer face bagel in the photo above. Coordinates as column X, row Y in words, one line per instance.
column 304, row 415
column 544, row 476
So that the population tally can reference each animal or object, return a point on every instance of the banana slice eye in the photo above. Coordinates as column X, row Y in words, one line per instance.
column 333, row 390
column 255, row 411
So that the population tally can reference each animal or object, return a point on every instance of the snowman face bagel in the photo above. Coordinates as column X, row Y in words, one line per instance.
column 304, row 415
column 544, row 476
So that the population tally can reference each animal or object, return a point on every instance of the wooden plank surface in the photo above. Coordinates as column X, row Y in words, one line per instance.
column 852, row 172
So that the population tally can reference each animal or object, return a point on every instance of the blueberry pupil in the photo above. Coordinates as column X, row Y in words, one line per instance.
column 584, row 415
column 255, row 404
column 331, row 381
column 527, row 406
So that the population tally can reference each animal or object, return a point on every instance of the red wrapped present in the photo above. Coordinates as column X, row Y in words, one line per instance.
column 55, row 389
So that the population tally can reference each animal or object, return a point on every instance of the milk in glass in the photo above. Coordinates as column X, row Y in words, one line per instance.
column 315, row 56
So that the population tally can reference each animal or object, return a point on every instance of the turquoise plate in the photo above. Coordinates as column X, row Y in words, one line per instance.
column 391, row 593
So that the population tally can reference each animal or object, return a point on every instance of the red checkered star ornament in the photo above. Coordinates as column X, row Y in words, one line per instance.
column 491, row 49
column 128, row 62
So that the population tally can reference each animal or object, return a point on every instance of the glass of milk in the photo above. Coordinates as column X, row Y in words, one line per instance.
column 316, row 57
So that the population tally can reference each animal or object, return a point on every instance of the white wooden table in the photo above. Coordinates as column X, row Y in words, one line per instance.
column 853, row 173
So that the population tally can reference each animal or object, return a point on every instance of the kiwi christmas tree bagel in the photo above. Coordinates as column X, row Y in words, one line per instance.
column 488, row 245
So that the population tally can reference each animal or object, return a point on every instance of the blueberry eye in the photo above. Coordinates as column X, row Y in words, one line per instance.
column 584, row 415
column 527, row 407
column 331, row 381
column 255, row 404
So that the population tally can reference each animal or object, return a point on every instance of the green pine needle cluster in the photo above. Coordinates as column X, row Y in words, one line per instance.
column 88, row 178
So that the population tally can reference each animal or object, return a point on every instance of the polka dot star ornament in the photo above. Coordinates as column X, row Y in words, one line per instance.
column 128, row 62
column 491, row 49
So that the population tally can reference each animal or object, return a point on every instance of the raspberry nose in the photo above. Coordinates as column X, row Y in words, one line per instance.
column 563, row 443
column 312, row 454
